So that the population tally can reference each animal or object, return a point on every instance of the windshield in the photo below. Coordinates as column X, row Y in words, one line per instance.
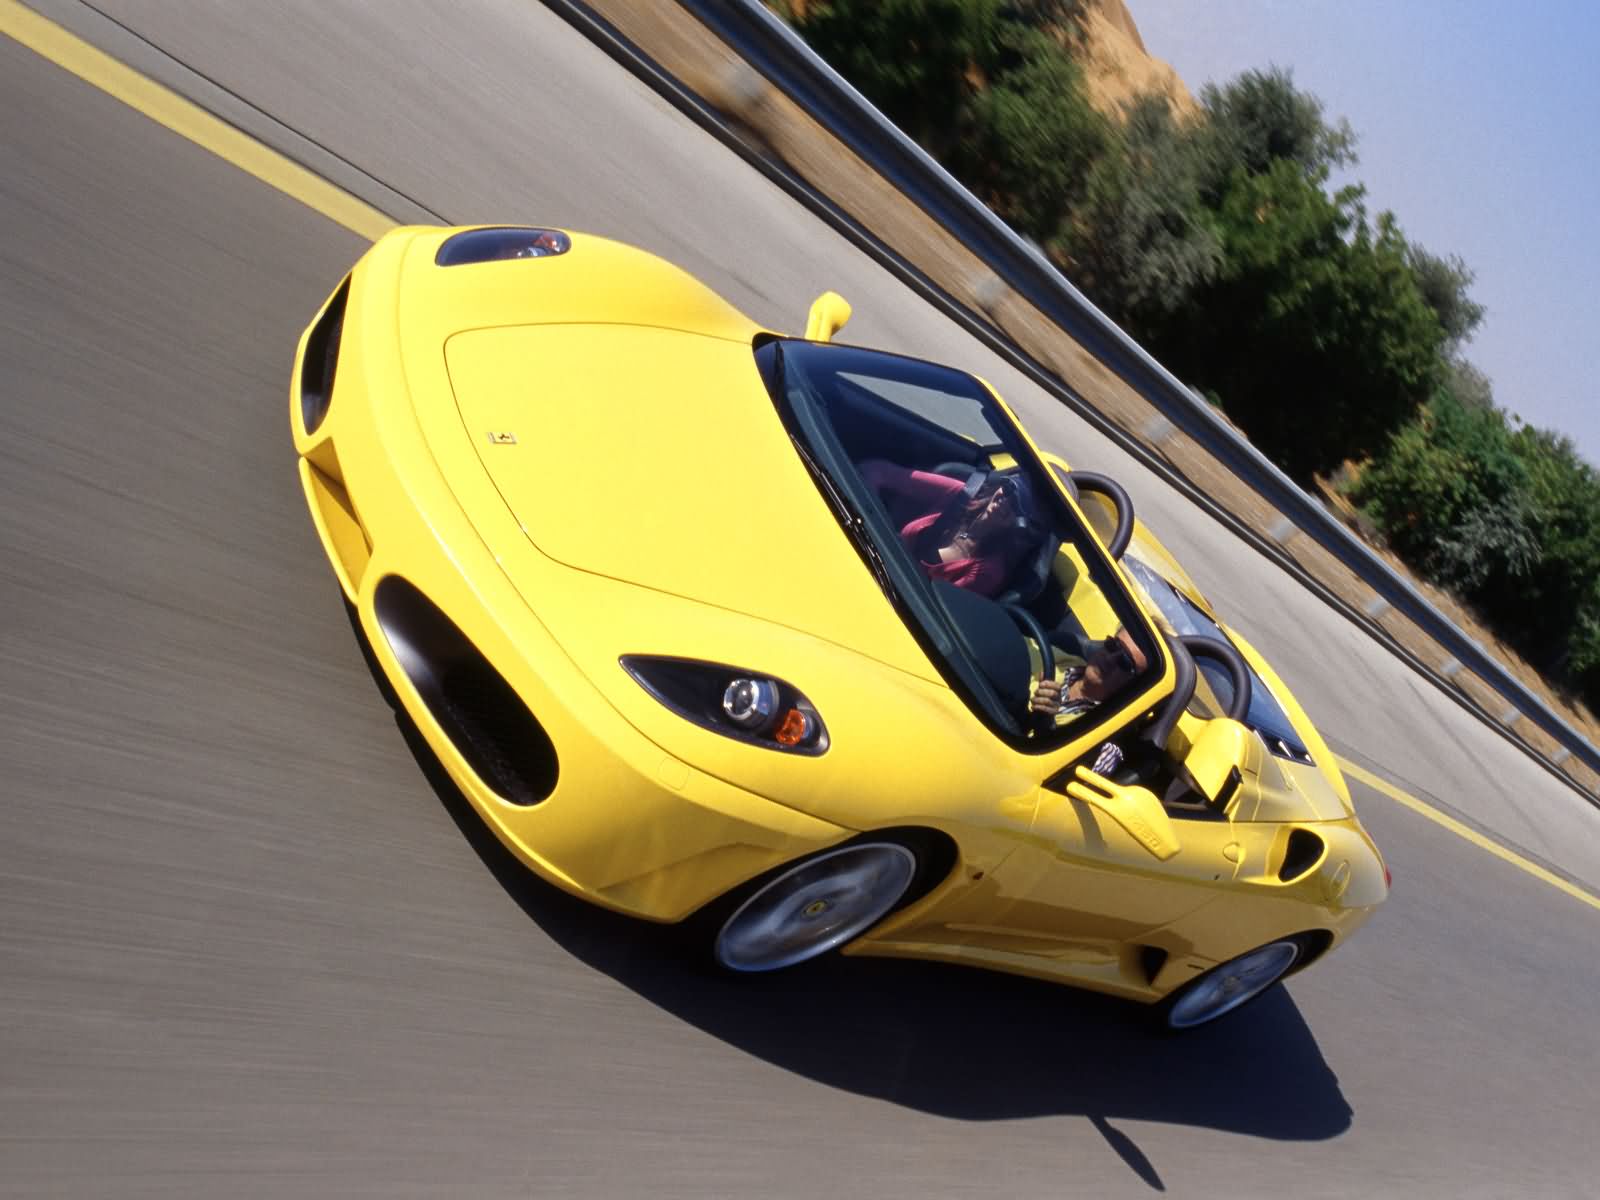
column 968, row 536
column 1265, row 714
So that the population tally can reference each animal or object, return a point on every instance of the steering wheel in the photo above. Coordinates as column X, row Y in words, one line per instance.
column 1031, row 626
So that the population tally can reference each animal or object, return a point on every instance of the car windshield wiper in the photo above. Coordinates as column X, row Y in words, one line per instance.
column 854, row 524
column 852, row 521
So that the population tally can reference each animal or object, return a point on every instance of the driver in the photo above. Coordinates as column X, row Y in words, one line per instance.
column 1105, row 667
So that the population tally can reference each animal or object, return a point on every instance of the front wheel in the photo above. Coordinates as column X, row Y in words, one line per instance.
column 815, row 906
column 1231, row 985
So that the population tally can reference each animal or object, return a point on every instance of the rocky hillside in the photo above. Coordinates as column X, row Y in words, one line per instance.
column 1117, row 66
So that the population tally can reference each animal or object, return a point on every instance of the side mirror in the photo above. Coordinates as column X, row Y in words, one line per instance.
column 1216, row 760
column 828, row 315
column 1136, row 809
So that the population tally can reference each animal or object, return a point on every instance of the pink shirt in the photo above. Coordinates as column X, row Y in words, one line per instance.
column 981, row 573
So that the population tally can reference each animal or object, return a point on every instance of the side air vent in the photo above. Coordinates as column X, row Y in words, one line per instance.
column 322, row 357
column 1151, row 960
column 478, row 710
column 1304, row 851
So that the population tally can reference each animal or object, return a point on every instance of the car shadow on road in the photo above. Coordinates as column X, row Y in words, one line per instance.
column 952, row 1041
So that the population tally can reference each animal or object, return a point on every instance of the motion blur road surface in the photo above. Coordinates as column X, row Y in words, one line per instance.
column 252, row 945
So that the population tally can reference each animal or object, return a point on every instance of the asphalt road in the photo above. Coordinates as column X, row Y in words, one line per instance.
column 251, row 945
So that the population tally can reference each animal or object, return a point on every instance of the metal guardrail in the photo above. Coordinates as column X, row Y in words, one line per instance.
column 778, row 54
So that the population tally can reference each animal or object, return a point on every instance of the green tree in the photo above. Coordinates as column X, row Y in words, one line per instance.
column 988, row 87
column 1444, row 283
column 1031, row 139
column 1312, row 328
column 1314, row 332
column 919, row 61
column 1453, row 497
column 1469, row 386
column 1140, row 240
column 1550, row 610
column 1260, row 119
column 1583, row 664
column 1508, row 518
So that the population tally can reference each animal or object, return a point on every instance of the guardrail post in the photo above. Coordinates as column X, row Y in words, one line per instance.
column 1157, row 430
column 1282, row 530
column 989, row 291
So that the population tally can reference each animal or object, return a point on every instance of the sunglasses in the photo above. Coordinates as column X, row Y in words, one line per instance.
column 1120, row 658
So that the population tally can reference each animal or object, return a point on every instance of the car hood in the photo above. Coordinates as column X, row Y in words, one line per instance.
column 655, row 456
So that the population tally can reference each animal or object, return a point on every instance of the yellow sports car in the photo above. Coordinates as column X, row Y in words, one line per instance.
column 804, row 646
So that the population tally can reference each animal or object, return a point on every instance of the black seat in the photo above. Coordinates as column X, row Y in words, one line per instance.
column 1028, row 578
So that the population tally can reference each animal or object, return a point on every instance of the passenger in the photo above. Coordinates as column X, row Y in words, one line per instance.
column 973, row 544
column 1106, row 666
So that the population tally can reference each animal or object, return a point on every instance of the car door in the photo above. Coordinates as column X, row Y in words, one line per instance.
column 1078, row 886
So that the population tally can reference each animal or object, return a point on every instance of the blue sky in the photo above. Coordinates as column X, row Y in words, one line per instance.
column 1479, row 127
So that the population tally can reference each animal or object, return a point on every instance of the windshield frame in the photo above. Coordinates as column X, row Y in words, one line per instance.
column 785, row 371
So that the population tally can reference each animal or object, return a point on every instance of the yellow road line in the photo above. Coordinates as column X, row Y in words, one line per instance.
column 189, row 120
column 1470, row 834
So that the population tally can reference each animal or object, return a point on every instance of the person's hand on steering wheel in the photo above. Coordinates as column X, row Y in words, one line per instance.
column 1047, row 693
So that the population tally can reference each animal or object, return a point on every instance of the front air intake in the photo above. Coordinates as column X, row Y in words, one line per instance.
column 481, row 714
column 321, row 359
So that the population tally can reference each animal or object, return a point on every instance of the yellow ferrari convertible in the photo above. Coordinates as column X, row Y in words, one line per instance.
column 799, row 645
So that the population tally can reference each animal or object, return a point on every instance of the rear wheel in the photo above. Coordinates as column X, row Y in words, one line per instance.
column 1231, row 985
column 815, row 906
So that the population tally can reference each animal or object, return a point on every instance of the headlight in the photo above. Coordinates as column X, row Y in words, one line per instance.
column 751, row 703
column 736, row 703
